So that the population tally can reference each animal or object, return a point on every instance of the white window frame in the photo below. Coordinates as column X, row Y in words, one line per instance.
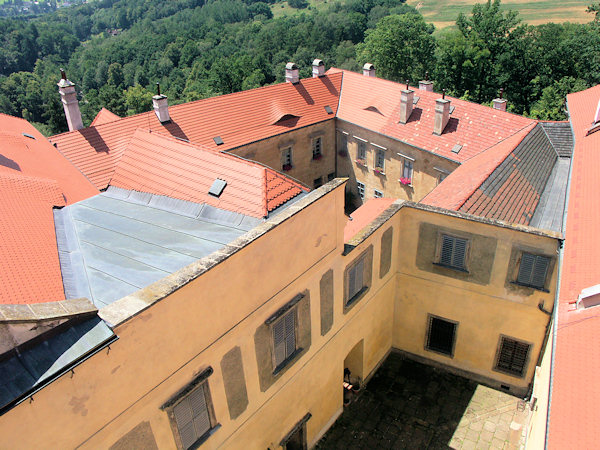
column 377, row 193
column 361, row 150
column 361, row 189
column 380, row 159
column 287, row 156
column 408, row 165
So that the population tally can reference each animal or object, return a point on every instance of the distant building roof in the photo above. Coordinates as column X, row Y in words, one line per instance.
column 163, row 165
column 575, row 390
column 240, row 118
column 374, row 103
column 104, row 116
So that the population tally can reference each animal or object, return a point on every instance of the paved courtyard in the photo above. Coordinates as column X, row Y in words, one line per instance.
column 408, row 405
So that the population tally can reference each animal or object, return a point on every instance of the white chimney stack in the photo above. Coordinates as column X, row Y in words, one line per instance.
column 499, row 103
column 318, row 68
column 407, row 97
column 369, row 70
column 291, row 73
column 442, row 115
column 68, row 96
column 426, row 85
column 161, row 106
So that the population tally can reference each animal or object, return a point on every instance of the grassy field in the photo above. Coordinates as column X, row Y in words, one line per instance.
column 443, row 13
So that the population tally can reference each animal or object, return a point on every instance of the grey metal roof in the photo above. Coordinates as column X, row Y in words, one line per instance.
column 23, row 371
column 120, row 241
column 551, row 208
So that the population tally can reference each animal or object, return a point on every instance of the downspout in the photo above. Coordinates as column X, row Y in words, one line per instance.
column 555, row 312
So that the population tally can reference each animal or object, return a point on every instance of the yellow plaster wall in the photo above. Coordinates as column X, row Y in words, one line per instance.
column 482, row 311
column 305, row 169
column 536, row 433
column 425, row 177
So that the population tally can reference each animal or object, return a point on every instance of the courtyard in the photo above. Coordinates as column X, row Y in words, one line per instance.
column 408, row 405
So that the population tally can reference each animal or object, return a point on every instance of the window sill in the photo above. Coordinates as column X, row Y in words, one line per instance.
column 317, row 157
column 542, row 289
column 508, row 372
column 458, row 269
column 288, row 361
column 440, row 352
column 202, row 439
column 379, row 172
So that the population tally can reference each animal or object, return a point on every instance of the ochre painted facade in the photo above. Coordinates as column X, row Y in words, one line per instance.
column 428, row 169
column 187, row 324
column 304, row 167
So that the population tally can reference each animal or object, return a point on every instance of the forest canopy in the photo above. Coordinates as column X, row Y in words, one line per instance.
column 117, row 50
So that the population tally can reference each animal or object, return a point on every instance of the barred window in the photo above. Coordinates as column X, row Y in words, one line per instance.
column 453, row 252
column 512, row 356
column 355, row 279
column 441, row 335
column 361, row 190
column 316, row 148
column 533, row 270
column 377, row 194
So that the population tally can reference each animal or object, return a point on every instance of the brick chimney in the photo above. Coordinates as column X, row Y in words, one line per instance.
column 68, row 96
column 406, row 103
column 369, row 70
column 318, row 68
column 442, row 115
column 291, row 73
column 499, row 103
column 161, row 106
column 426, row 84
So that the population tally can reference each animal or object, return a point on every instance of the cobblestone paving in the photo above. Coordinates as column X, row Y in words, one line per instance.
column 408, row 405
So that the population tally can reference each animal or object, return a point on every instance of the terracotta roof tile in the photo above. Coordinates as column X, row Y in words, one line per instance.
column 163, row 165
column 364, row 215
column 34, row 178
column 239, row 119
column 104, row 116
column 374, row 103
column 575, row 392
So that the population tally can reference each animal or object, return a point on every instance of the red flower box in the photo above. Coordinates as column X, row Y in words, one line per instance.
column 405, row 181
column 361, row 162
column 287, row 167
column 317, row 157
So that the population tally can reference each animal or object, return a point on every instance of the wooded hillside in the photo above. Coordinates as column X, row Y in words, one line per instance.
column 117, row 50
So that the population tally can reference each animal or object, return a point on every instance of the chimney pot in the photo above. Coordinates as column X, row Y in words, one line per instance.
column 426, row 85
column 442, row 115
column 499, row 103
column 291, row 73
column 68, row 97
column 369, row 70
column 318, row 68
column 161, row 107
column 406, row 104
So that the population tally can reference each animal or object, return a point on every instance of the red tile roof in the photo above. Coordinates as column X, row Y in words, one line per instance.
column 239, row 119
column 461, row 184
column 374, row 103
column 104, row 116
column 34, row 178
column 365, row 215
column 164, row 165
column 576, row 392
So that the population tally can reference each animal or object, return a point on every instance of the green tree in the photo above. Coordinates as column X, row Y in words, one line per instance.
column 138, row 99
column 401, row 47
column 551, row 105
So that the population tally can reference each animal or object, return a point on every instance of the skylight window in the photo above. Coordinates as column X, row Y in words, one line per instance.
column 328, row 109
column 457, row 148
column 28, row 136
column 416, row 99
column 218, row 140
column 217, row 187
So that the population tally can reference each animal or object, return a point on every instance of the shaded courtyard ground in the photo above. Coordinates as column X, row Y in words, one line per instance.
column 408, row 405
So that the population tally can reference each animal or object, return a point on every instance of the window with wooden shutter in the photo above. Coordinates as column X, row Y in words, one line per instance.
column 453, row 252
column 533, row 270
column 355, row 280
column 512, row 356
column 284, row 337
column 192, row 417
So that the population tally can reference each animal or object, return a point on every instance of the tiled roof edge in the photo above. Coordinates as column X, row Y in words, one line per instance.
column 120, row 311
